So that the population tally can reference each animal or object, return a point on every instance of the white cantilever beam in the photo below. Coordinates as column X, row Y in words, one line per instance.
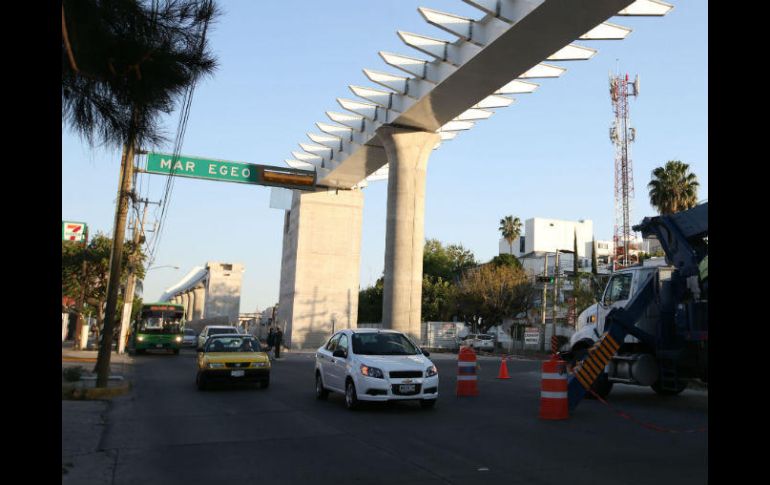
column 462, row 80
column 647, row 8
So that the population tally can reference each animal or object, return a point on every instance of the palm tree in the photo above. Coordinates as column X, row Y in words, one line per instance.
column 510, row 228
column 124, row 63
column 673, row 188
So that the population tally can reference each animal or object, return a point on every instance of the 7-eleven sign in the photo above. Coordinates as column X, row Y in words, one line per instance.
column 74, row 231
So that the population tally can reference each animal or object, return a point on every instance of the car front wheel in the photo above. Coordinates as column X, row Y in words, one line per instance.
column 320, row 392
column 351, row 399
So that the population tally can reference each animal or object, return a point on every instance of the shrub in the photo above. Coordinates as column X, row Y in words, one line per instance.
column 72, row 374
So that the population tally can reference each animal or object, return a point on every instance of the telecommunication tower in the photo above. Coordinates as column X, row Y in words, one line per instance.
column 622, row 135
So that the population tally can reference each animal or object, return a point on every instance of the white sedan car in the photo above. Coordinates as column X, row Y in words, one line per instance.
column 375, row 365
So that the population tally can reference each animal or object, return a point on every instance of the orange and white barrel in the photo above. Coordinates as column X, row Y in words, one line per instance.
column 553, row 391
column 466, row 373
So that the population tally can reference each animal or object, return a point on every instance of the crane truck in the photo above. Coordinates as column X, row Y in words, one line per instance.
column 650, row 327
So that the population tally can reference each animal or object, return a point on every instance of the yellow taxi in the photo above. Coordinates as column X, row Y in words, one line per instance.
column 232, row 358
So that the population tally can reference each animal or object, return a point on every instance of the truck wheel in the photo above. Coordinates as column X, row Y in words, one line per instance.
column 176, row 351
column 658, row 388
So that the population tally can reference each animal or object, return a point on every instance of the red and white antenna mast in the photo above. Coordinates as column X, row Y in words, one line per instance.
column 622, row 135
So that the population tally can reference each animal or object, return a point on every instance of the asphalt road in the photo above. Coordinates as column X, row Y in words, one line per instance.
column 166, row 431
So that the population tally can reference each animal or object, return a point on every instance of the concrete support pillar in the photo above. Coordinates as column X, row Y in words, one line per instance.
column 184, row 301
column 190, row 304
column 320, row 267
column 199, row 297
column 408, row 151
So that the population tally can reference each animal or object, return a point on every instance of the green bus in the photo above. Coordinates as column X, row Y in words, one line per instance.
column 160, row 326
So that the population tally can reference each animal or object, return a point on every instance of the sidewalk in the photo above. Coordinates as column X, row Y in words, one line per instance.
column 82, row 427
column 120, row 372
column 83, row 462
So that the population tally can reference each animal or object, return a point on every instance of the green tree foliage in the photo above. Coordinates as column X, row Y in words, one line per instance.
column 488, row 294
column 673, row 188
column 584, row 292
column 370, row 303
column 437, row 299
column 441, row 267
column 510, row 228
column 97, row 257
column 446, row 262
column 506, row 260
column 125, row 62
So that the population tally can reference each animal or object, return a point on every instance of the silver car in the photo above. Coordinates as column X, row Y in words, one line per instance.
column 190, row 338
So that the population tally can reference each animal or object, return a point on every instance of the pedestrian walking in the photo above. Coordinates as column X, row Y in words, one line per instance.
column 277, row 341
column 270, row 339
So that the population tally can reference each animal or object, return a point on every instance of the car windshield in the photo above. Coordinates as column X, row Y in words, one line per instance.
column 189, row 331
column 232, row 344
column 485, row 337
column 383, row 344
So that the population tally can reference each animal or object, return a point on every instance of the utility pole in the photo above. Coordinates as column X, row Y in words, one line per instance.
column 556, row 270
column 116, row 257
column 82, row 299
column 543, row 306
column 128, row 298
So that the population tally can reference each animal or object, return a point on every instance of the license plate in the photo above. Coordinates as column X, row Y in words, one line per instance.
column 160, row 346
column 406, row 388
column 237, row 373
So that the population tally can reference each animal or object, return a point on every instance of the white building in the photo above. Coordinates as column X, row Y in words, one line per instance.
column 547, row 235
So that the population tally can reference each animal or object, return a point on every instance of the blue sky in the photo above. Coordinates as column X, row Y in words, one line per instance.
column 283, row 64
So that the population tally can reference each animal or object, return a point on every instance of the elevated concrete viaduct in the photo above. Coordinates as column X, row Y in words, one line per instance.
column 391, row 133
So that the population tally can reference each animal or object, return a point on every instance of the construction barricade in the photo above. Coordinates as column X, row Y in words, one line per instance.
column 553, row 392
column 466, row 373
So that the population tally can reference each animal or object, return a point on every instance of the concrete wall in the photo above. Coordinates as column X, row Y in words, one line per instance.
column 320, row 266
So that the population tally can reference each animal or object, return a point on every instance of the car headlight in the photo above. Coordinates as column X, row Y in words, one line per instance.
column 216, row 365
column 179, row 339
column 431, row 371
column 259, row 364
column 371, row 372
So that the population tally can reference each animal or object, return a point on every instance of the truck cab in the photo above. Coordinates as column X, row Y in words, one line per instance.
column 657, row 313
column 621, row 287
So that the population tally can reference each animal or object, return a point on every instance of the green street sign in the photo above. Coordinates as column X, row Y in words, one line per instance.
column 227, row 171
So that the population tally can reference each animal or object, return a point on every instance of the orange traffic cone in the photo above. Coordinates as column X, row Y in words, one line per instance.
column 503, row 374
column 466, row 373
column 553, row 393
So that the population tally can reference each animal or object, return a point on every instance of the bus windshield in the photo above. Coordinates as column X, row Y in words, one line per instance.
column 165, row 320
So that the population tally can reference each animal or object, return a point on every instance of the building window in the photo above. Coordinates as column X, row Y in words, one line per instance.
column 521, row 244
column 227, row 267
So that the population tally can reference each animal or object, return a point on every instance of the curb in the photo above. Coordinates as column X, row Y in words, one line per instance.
column 72, row 392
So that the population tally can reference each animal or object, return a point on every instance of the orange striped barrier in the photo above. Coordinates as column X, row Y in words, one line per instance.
column 553, row 392
column 466, row 373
